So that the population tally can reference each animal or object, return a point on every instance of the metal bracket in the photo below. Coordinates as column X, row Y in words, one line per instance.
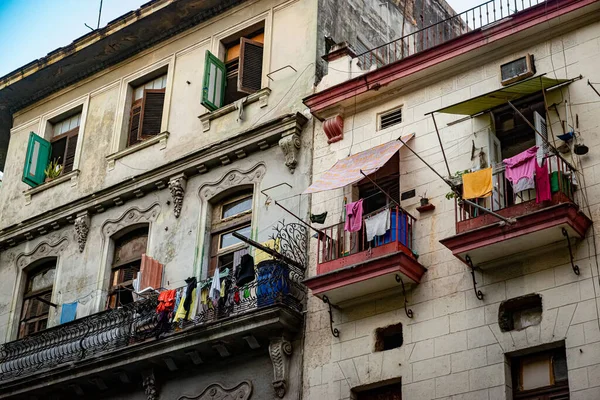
column 408, row 311
column 573, row 265
column 477, row 292
column 334, row 331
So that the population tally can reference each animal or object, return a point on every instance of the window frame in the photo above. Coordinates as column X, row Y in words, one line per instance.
column 544, row 392
column 141, row 102
column 27, row 296
column 68, row 135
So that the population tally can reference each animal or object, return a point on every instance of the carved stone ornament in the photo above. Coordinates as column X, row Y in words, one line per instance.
column 177, row 187
column 233, row 178
column 149, row 385
column 290, row 145
column 280, row 351
column 132, row 216
column 334, row 129
column 82, row 228
column 216, row 391
column 42, row 250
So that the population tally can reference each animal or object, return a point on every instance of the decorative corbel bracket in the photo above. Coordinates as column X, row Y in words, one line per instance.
column 177, row 186
column 290, row 145
column 334, row 331
column 573, row 265
column 408, row 311
column 472, row 268
column 280, row 351
column 149, row 385
column 334, row 129
column 82, row 228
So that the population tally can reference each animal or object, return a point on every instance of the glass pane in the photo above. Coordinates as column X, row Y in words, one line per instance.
column 536, row 372
column 139, row 93
column 560, row 367
column 237, row 207
column 227, row 239
column 42, row 280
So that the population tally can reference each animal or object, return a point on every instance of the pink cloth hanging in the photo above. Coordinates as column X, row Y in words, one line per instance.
column 354, row 212
column 521, row 166
column 542, row 183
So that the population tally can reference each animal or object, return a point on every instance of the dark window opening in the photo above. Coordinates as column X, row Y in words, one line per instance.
column 388, row 338
column 388, row 392
column 541, row 376
column 243, row 64
column 38, row 294
column 520, row 312
column 388, row 179
column 146, row 112
column 65, row 132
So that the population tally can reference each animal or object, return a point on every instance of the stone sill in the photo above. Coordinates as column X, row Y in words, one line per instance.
column 160, row 138
column 262, row 96
column 73, row 176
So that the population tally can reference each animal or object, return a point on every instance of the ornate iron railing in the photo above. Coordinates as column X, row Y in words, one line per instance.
column 111, row 330
column 478, row 17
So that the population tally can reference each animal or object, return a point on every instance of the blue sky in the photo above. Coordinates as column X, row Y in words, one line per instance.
column 30, row 29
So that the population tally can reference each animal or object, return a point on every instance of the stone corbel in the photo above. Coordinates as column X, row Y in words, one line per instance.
column 177, row 186
column 280, row 351
column 290, row 145
column 149, row 385
column 334, row 129
column 82, row 228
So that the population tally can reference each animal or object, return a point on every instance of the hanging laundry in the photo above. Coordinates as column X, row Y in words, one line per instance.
column 378, row 224
column 260, row 255
column 318, row 218
column 246, row 292
column 354, row 212
column 85, row 306
column 188, row 301
column 477, row 184
column 178, row 298
column 68, row 312
column 520, row 169
column 237, row 259
column 166, row 301
column 215, row 288
column 236, row 297
column 244, row 273
column 542, row 183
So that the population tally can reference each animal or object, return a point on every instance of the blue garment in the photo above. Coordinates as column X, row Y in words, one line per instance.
column 69, row 311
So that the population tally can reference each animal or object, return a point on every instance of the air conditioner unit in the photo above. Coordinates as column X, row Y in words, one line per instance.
column 516, row 70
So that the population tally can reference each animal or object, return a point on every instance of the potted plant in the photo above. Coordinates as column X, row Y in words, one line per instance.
column 53, row 171
column 456, row 180
column 424, row 200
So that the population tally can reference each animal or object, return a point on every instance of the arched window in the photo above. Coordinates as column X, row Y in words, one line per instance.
column 127, row 261
column 36, row 299
column 231, row 214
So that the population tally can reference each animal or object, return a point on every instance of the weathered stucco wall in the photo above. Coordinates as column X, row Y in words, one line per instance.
column 453, row 347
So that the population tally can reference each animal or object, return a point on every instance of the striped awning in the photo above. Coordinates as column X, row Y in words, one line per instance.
column 348, row 170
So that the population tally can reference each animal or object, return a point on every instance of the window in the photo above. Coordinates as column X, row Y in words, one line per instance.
column 146, row 112
column 233, row 214
column 36, row 299
column 388, row 338
column 127, row 261
column 238, row 74
column 519, row 313
column 388, row 179
column 541, row 376
column 388, row 392
column 64, row 141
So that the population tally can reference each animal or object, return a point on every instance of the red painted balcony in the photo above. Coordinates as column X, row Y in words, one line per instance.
column 535, row 226
column 350, row 267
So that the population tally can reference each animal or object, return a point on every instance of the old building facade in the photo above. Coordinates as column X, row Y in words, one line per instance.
column 491, row 298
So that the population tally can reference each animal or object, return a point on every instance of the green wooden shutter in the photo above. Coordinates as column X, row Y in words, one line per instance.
column 36, row 160
column 250, row 68
column 213, row 87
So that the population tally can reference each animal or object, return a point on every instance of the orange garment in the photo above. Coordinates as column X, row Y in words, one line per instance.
column 166, row 301
column 477, row 184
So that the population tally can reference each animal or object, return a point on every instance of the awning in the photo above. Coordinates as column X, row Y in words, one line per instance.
column 502, row 96
column 347, row 171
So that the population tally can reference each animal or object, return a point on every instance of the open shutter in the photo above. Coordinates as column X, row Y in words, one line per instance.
column 213, row 87
column 36, row 160
column 134, row 123
column 540, row 126
column 152, row 112
column 151, row 273
column 70, row 154
column 250, row 69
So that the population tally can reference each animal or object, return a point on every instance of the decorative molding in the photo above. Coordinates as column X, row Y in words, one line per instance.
column 177, row 186
column 161, row 139
column 72, row 176
column 261, row 97
column 82, row 228
column 290, row 145
column 334, row 129
column 149, row 385
column 42, row 250
column 280, row 351
column 132, row 216
column 233, row 178
column 217, row 391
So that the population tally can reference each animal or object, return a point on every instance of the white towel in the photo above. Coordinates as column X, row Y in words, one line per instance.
column 378, row 224
column 215, row 287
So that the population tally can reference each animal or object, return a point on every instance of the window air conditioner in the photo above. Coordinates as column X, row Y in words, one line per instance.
column 516, row 70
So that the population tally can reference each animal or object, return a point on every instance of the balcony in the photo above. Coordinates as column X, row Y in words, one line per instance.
column 131, row 338
column 534, row 226
column 350, row 267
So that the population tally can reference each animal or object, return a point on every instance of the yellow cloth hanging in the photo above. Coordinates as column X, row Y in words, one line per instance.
column 180, row 314
column 477, row 184
column 222, row 289
column 260, row 255
column 204, row 296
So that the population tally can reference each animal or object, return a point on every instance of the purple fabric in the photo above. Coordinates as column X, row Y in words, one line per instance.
column 521, row 166
column 542, row 183
column 354, row 212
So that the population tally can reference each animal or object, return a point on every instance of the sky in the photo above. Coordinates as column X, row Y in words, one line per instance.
column 30, row 29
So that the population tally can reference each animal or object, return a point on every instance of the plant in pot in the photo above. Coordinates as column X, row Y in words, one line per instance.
column 424, row 199
column 53, row 171
column 456, row 180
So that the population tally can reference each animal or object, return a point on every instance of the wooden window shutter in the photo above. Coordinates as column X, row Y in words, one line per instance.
column 36, row 160
column 152, row 112
column 213, row 86
column 151, row 273
column 70, row 153
column 134, row 123
column 250, row 68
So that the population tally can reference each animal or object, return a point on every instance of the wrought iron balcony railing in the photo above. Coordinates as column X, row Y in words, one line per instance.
column 107, row 331
column 479, row 17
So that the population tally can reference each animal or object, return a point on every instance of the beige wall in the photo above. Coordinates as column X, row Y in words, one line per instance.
column 453, row 348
